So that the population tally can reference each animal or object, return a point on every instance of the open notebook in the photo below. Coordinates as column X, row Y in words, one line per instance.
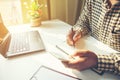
column 87, row 42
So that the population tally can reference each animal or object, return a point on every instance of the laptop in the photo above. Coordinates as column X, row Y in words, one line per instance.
column 13, row 44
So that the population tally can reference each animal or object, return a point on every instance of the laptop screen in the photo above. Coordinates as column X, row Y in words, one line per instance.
column 3, row 30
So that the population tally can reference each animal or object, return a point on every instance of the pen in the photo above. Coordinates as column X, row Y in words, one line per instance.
column 77, row 34
column 63, row 51
column 73, row 37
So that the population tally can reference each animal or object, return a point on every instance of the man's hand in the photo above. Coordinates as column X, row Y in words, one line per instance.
column 1, row 40
column 72, row 37
column 84, row 59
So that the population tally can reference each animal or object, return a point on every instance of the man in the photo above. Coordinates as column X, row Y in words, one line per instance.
column 100, row 18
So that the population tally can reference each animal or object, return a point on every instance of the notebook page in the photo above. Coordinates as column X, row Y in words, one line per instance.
column 88, row 43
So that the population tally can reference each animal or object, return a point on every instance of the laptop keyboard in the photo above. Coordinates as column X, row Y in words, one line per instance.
column 20, row 42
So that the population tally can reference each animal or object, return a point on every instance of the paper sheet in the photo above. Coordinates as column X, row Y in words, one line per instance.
column 46, row 73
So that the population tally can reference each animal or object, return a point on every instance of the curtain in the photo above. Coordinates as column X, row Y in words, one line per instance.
column 80, row 6
column 66, row 10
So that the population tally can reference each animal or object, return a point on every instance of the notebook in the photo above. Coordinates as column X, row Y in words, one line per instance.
column 13, row 44
column 46, row 73
column 85, row 43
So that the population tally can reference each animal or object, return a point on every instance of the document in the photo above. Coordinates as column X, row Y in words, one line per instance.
column 46, row 73
column 87, row 43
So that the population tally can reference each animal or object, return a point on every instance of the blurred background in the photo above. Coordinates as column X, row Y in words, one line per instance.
column 14, row 12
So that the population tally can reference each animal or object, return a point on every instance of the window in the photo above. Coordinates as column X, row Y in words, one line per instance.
column 14, row 11
column 11, row 12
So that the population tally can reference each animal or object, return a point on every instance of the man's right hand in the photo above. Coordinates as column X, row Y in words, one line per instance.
column 72, row 37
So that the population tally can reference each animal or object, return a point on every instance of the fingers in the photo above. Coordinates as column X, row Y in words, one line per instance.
column 70, row 42
column 75, row 64
column 83, row 59
column 1, row 40
column 76, row 36
column 81, row 53
column 72, row 37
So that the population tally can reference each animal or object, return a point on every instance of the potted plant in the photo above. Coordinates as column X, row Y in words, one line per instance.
column 35, row 13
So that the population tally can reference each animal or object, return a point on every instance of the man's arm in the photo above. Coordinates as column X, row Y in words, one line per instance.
column 82, row 24
column 85, row 59
column 108, row 63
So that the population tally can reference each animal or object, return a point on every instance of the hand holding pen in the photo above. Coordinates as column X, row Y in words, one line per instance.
column 73, row 36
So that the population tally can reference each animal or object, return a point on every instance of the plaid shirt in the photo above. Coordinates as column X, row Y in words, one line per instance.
column 102, row 21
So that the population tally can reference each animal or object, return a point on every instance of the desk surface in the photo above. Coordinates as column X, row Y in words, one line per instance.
column 23, row 67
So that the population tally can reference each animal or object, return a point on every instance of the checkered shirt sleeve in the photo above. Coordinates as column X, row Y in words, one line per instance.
column 82, row 24
column 108, row 63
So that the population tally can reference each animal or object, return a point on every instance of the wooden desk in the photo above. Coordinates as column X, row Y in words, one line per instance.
column 23, row 67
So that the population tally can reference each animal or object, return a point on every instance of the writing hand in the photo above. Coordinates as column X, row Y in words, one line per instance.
column 72, row 37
